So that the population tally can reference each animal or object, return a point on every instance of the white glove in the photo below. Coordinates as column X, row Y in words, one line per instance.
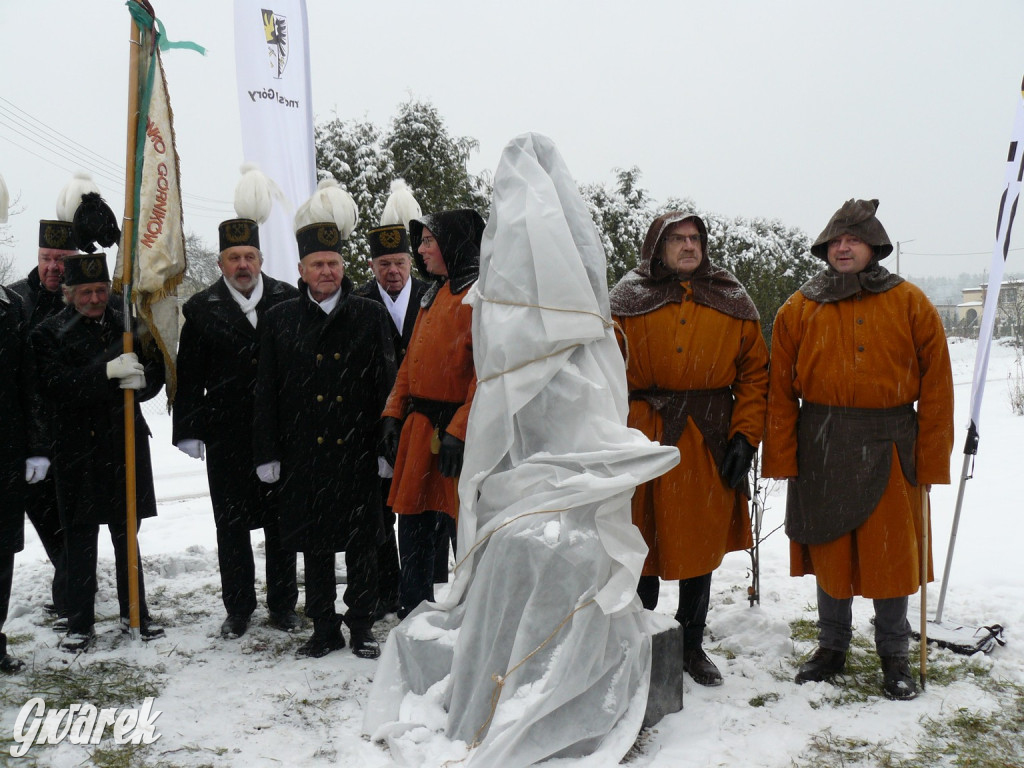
column 36, row 469
column 193, row 448
column 123, row 366
column 135, row 381
column 384, row 469
column 269, row 472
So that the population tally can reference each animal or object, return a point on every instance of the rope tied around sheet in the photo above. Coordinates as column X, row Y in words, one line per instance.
column 604, row 321
column 500, row 680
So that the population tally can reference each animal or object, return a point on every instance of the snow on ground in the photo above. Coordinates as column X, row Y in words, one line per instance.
column 250, row 702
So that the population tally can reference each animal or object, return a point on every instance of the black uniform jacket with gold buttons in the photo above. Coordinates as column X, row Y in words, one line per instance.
column 218, row 358
column 323, row 380
column 400, row 336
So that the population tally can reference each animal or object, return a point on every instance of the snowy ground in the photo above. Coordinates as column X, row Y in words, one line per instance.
column 250, row 702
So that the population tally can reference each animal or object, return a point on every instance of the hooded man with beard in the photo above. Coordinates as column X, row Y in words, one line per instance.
column 426, row 414
column 852, row 351
column 696, row 366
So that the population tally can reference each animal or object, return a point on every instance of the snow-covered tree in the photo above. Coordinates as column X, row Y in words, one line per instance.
column 769, row 258
column 433, row 162
column 416, row 147
column 201, row 268
column 622, row 214
column 7, row 243
column 7, row 268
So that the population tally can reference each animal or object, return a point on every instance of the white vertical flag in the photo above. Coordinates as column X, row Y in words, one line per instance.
column 276, row 110
column 1004, row 224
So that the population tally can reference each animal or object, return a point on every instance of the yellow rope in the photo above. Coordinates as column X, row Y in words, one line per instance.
column 604, row 321
column 500, row 680
column 503, row 525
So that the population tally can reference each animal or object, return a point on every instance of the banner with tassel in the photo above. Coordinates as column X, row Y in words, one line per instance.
column 152, row 263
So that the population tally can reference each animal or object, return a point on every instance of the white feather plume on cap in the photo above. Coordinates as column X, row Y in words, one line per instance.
column 71, row 196
column 401, row 206
column 255, row 194
column 5, row 200
column 330, row 203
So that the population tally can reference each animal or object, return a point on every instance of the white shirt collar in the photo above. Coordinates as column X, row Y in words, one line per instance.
column 328, row 304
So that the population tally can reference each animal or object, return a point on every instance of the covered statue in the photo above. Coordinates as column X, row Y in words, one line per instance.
column 540, row 649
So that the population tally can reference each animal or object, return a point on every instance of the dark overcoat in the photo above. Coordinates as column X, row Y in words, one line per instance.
column 323, row 380
column 13, row 437
column 400, row 336
column 37, row 303
column 86, row 410
column 218, row 359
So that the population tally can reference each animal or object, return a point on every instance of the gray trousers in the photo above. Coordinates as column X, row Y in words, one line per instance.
column 835, row 624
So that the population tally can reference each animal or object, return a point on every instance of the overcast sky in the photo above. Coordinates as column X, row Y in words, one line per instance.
column 776, row 109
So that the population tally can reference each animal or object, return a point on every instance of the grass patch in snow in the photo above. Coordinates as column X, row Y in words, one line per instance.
column 103, row 683
column 961, row 739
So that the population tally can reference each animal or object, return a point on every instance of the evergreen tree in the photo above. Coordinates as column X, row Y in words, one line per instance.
column 433, row 163
column 201, row 270
column 622, row 214
column 418, row 148
column 351, row 152
column 770, row 259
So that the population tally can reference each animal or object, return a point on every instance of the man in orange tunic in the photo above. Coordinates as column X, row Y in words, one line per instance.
column 426, row 414
column 852, row 351
column 697, row 375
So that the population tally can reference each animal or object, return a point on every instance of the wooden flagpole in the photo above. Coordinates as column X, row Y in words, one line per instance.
column 127, row 241
column 925, row 522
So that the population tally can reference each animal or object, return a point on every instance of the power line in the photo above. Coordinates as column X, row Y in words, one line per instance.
column 115, row 167
column 64, row 148
column 976, row 253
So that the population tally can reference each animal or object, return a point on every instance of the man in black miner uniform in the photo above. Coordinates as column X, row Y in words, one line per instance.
column 394, row 287
column 13, row 453
column 326, row 365
column 41, row 297
column 81, row 371
column 218, row 355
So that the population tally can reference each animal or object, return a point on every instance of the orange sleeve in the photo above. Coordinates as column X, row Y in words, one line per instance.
column 935, row 402
column 750, row 389
column 779, row 455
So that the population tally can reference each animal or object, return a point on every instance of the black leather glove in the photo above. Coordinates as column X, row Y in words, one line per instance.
column 450, row 455
column 736, row 464
column 390, row 432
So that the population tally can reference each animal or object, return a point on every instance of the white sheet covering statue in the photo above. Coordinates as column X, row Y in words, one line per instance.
column 544, row 594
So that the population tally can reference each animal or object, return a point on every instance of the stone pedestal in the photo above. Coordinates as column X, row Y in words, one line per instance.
column 666, row 694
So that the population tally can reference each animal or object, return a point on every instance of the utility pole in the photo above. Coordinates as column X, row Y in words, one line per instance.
column 898, row 244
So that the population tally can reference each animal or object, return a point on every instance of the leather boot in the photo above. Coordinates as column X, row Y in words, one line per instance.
column 823, row 664
column 364, row 644
column 701, row 668
column 897, row 680
column 234, row 626
column 286, row 621
column 9, row 665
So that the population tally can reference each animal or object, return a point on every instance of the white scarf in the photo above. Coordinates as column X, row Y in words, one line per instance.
column 397, row 307
column 328, row 304
column 248, row 305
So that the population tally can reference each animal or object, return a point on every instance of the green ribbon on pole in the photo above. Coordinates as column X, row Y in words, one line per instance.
column 143, row 19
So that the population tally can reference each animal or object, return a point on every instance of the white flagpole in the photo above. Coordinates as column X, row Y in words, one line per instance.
column 1004, row 224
